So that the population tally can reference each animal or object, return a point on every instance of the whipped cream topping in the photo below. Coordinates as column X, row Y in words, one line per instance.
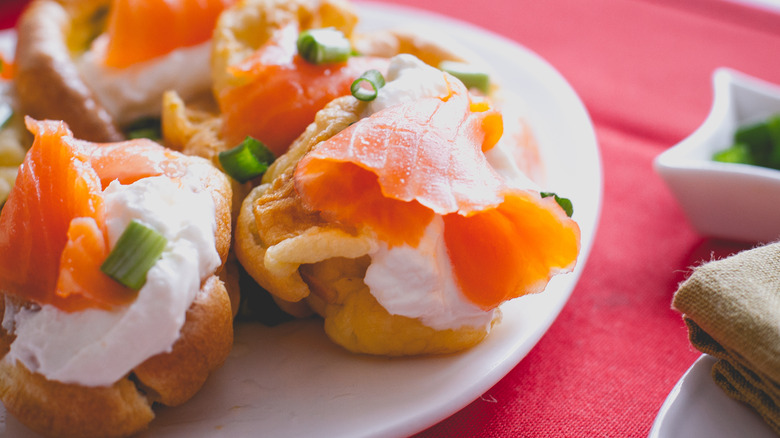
column 136, row 91
column 96, row 347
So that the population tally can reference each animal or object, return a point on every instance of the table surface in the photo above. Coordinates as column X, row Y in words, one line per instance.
column 643, row 69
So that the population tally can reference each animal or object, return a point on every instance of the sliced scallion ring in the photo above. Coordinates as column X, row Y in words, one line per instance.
column 372, row 78
column 137, row 250
column 470, row 75
column 248, row 160
column 319, row 46
column 565, row 203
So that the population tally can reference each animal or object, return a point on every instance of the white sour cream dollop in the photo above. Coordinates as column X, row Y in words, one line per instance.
column 420, row 283
column 134, row 92
column 97, row 347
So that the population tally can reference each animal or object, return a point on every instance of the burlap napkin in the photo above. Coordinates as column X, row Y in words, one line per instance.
column 732, row 310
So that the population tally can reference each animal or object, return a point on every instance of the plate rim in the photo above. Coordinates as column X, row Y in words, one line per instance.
column 697, row 378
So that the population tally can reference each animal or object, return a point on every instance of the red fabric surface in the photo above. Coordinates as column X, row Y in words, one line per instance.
column 643, row 69
column 9, row 12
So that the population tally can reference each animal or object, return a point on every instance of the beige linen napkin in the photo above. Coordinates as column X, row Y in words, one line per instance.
column 732, row 310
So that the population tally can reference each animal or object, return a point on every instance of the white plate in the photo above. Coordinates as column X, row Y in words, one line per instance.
column 289, row 380
column 697, row 407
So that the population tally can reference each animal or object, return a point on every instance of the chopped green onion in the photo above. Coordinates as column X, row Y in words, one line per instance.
column 6, row 112
column 565, row 203
column 757, row 144
column 319, row 46
column 739, row 153
column 470, row 75
column 374, row 79
column 137, row 250
column 147, row 127
column 758, row 139
column 248, row 160
column 773, row 155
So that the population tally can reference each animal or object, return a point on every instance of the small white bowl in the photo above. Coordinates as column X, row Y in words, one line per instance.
column 727, row 200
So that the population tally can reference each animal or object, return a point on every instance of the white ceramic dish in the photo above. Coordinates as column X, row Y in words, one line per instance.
column 697, row 407
column 290, row 381
column 726, row 200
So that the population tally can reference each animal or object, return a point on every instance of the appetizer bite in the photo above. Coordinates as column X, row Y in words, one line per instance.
column 263, row 85
column 102, row 65
column 403, row 219
column 109, row 274
column 272, row 90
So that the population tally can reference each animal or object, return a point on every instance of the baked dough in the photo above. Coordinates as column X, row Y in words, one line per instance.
column 71, row 410
column 47, row 80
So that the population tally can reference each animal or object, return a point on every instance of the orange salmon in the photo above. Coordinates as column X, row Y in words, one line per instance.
column 396, row 169
column 140, row 30
column 53, row 237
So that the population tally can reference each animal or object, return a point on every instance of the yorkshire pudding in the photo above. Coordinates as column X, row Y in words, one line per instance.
column 124, row 407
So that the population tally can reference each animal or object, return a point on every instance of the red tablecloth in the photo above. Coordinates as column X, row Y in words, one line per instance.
column 643, row 69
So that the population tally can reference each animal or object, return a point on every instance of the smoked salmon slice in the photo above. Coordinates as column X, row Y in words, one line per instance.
column 53, row 237
column 140, row 30
column 426, row 152
column 511, row 250
column 279, row 92
column 128, row 161
column 396, row 169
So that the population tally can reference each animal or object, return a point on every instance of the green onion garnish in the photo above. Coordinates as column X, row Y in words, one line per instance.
column 739, row 153
column 137, row 250
column 6, row 112
column 470, row 75
column 565, row 203
column 374, row 79
column 248, row 160
column 147, row 127
column 757, row 144
column 324, row 45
